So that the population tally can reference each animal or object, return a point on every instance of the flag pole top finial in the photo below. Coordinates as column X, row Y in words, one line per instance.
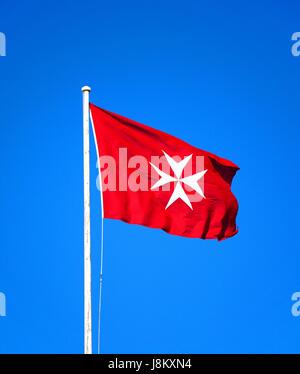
column 86, row 88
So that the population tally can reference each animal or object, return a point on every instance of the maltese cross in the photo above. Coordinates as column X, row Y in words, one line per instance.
column 191, row 181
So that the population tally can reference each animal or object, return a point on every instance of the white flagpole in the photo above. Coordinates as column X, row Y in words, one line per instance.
column 87, row 229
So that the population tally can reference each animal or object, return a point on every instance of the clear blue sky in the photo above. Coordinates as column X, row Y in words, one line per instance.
column 219, row 75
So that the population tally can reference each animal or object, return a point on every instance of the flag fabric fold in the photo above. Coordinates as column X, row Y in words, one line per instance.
column 154, row 179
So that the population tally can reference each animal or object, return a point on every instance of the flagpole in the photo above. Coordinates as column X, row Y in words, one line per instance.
column 87, row 229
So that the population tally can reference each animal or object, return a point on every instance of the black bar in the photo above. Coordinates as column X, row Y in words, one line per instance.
column 152, row 363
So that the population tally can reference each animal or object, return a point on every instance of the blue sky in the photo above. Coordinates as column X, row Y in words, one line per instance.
column 219, row 75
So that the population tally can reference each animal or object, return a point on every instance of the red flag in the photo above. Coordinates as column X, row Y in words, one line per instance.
column 153, row 179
